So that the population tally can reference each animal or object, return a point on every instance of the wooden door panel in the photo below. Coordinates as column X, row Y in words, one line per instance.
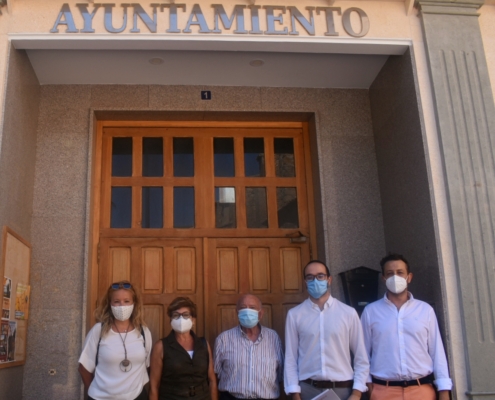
column 152, row 270
column 162, row 269
column 227, row 271
column 259, row 270
column 261, row 265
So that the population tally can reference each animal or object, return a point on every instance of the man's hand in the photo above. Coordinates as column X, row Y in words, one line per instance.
column 443, row 395
column 355, row 395
column 370, row 389
column 296, row 396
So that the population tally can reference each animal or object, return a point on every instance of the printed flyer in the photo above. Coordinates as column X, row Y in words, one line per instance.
column 22, row 301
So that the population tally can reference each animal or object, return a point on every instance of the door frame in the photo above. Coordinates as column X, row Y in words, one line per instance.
column 96, row 187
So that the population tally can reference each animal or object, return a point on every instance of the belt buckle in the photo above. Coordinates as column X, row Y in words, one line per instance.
column 192, row 391
column 404, row 383
column 313, row 382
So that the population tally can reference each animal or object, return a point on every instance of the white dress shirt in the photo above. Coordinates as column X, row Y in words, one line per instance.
column 319, row 345
column 404, row 344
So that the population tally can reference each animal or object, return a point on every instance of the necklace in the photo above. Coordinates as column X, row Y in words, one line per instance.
column 125, row 364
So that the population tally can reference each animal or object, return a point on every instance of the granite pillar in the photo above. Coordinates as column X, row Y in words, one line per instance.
column 466, row 125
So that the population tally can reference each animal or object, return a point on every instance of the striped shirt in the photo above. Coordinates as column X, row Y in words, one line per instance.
column 249, row 370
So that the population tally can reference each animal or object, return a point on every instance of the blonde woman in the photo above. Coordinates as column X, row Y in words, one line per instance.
column 115, row 356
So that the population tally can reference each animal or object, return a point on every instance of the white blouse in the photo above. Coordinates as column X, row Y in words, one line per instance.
column 110, row 382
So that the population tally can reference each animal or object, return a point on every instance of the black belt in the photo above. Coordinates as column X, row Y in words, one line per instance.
column 329, row 384
column 413, row 382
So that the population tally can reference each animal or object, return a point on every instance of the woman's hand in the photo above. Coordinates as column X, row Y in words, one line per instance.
column 87, row 377
column 212, row 378
column 156, row 370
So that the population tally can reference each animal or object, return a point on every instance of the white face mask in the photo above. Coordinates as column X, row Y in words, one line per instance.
column 122, row 313
column 181, row 325
column 396, row 284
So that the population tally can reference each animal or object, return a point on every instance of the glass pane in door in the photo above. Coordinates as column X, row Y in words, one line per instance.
column 256, row 210
column 152, row 207
column 183, row 157
column 284, row 157
column 288, row 216
column 184, row 207
column 225, row 207
column 223, row 149
column 152, row 156
column 122, row 156
column 254, row 157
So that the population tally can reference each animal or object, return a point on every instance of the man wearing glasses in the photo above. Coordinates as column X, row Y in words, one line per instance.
column 320, row 335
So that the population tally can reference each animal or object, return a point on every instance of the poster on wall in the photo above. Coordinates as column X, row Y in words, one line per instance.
column 4, row 340
column 6, row 304
column 22, row 301
column 7, row 287
column 11, row 341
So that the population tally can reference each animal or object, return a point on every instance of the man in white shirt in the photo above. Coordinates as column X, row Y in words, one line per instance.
column 403, row 341
column 320, row 335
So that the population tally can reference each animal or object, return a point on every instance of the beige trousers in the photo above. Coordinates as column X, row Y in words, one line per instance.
column 422, row 392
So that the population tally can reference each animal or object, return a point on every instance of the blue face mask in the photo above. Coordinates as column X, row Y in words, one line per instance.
column 317, row 288
column 248, row 318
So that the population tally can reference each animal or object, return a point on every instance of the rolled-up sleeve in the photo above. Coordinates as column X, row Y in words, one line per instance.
column 365, row 323
column 437, row 354
column 291, row 371
column 361, row 362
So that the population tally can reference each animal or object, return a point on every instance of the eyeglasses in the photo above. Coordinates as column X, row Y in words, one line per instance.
column 185, row 315
column 319, row 277
column 121, row 285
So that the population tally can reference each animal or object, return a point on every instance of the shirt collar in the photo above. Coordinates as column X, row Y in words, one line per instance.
column 327, row 304
column 410, row 298
column 243, row 334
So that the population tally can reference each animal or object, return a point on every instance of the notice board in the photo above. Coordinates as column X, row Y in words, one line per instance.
column 15, row 268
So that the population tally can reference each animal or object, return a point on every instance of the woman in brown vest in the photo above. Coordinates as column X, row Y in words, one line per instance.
column 181, row 363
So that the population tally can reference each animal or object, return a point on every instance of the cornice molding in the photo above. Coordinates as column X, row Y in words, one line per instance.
column 450, row 7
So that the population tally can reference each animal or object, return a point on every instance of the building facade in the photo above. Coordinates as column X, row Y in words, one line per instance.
column 208, row 149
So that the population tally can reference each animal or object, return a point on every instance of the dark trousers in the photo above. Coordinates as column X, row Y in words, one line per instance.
column 142, row 396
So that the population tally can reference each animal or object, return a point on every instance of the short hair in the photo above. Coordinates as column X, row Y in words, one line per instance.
column 316, row 262
column 393, row 257
column 180, row 302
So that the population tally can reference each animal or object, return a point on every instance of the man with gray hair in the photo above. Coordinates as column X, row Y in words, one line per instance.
column 249, row 358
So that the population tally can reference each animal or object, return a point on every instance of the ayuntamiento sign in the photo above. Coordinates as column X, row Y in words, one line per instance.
column 274, row 16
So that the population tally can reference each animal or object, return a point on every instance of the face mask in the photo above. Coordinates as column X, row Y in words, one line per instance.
column 122, row 313
column 317, row 288
column 396, row 284
column 248, row 318
column 181, row 324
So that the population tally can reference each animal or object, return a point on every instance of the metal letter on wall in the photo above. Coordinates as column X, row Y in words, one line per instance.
column 88, row 17
column 237, row 14
column 255, row 20
column 329, row 17
column 466, row 124
column 309, row 26
column 139, row 12
column 173, row 27
column 271, row 19
column 346, row 22
column 68, row 20
column 197, row 18
column 108, row 18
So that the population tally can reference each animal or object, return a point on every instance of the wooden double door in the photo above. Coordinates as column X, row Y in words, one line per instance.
column 204, row 210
